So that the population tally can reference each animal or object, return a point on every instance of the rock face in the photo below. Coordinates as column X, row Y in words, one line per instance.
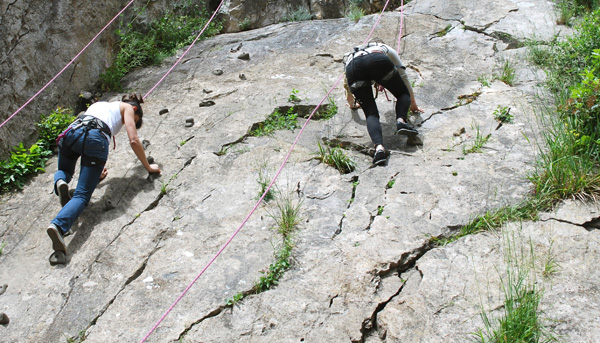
column 364, row 268
column 38, row 40
column 36, row 46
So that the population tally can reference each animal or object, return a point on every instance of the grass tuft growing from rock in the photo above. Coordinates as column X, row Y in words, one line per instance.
column 336, row 158
column 519, row 320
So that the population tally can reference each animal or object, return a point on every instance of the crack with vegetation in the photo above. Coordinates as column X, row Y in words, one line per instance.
column 463, row 100
column 348, row 145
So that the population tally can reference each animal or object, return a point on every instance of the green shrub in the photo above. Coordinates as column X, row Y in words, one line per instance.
column 22, row 163
column 147, row 45
column 567, row 60
column 52, row 125
column 582, row 110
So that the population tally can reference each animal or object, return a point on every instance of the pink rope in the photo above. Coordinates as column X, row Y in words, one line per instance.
column 186, row 51
column 259, row 200
column 377, row 23
column 401, row 24
column 68, row 64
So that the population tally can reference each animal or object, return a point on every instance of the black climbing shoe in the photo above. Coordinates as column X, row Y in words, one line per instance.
column 379, row 157
column 56, row 235
column 62, row 188
column 405, row 129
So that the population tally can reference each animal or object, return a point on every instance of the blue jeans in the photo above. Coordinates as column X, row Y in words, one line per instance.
column 93, row 147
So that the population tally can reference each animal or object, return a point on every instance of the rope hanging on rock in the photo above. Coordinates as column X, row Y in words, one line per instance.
column 263, row 195
column 68, row 64
column 401, row 25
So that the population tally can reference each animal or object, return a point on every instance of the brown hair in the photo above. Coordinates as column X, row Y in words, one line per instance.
column 135, row 101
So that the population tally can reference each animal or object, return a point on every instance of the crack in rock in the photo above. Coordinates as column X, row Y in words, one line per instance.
column 129, row 280
column 590, row 225
column 369, row 325
column 211, row 314
column 355, row 184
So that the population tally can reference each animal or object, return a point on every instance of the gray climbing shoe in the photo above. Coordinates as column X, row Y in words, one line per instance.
column 56, row 235
column 62, row 188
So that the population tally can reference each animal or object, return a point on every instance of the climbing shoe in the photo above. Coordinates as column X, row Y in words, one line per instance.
column 56, row 235
column 62, row 188
column 379, row 157
column 405, row 129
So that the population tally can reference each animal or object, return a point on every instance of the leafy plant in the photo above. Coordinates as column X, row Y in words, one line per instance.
column 52, row 125
column 336, row 158
column 234, row 300
column 276, row 269
column 567, row 59
column 294, row 98
column 2, row 245
column 163, row 187
column 276, row 121
column 569, row 9
column 568, row 162
column 380, row 210
column 22, row 163
column 286, row 215
column 445, row 31
column 79, row 338
column 390, row 184
column 502, row 114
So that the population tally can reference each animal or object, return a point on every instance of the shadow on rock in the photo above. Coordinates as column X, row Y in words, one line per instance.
column 114, row 203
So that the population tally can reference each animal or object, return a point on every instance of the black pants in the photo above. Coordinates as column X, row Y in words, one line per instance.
column 374, row 67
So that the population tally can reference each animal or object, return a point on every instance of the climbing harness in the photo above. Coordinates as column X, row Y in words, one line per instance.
column 86, row 123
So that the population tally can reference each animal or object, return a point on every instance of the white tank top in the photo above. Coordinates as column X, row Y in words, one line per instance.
column 109, row 113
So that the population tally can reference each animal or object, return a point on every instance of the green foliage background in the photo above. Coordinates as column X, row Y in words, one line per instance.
column 144, row 45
